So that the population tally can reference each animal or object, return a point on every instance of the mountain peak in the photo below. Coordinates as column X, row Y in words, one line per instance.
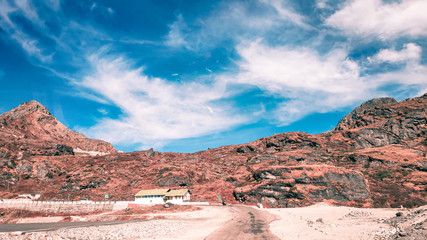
column 26, row 109
column 33, row 121
column 34, row 106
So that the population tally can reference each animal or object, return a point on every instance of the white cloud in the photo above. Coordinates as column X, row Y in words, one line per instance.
column 31, row 46
column 384, row 20
column 54, row 4
column 412, row 75
column 103, row 111
column 28, row 44
column 288, row 13
column 276, row 68
column 155, row 110
column 321, row 4
column 28, row 10
column 410, row 52
column 5, row 9
column 230, row 20
column 176, row 36
column 101, row 9
column 309, row 82
column 93, row 6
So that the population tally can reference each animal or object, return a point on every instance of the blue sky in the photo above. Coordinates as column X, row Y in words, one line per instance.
column 190, row 75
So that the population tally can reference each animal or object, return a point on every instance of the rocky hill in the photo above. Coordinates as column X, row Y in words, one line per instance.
column 376, row 156
column 30, row 130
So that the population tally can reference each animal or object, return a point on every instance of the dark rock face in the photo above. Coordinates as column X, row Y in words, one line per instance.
column 374, row 137
column 353, row 120
column 43, row 171
column 264, row 158
column 149, row 153
column 172, row 180
column 291, row 186
column 74, row 186
column 93, row 184
column 65, row 150
column 406, row 119
column 24, row 167
column 412, row 126
column 245, row 149
column 340, row 187
column 291, row 141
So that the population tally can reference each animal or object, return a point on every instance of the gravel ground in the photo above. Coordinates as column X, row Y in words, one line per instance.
column 154, row 229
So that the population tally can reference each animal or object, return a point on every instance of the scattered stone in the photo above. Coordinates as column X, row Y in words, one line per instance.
column 245, row 149
column 357, row 214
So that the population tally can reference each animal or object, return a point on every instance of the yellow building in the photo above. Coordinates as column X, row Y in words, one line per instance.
column 160, row 196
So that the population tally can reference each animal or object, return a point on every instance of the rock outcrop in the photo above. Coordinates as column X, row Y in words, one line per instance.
column 406, row 119
column 295, row 185
column 355, row 118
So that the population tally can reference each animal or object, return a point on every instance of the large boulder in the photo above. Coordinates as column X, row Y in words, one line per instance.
column 290, row 186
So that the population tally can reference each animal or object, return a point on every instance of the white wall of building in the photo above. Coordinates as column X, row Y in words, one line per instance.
column 179, row 199
column 149, row 200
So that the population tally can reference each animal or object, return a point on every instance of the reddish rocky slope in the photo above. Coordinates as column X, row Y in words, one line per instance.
column 32, row 130
column 376, row 156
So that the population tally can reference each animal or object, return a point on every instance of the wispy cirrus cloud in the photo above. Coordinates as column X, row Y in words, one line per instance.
column 177, row 33
column 155, row 110
column 288, row 13
column 367, row 18
column 28, row 43
column 232, row 22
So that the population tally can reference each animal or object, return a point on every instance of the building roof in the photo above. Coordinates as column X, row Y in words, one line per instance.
column 179, row 192
column 151, row 192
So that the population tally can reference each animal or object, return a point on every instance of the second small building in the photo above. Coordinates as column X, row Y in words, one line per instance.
column 161, row 196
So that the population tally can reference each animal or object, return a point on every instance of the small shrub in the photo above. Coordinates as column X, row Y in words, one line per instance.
column 380, row 175
column 404, row 172
column 352, row 158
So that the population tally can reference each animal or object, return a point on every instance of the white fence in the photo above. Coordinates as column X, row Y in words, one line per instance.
column 63, row 206
column 72, row 206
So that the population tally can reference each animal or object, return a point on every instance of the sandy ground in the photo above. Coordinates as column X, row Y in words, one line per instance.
column 322, row 221
column 181, row 225
column 201, row 223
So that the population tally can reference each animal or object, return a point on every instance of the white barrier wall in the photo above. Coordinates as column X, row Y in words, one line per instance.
column 73, row 206
column 63, row 206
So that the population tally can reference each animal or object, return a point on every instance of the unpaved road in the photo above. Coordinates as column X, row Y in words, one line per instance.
column 247, row 223
column 37, row 227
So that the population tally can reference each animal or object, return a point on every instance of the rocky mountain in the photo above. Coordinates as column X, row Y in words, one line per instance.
column 30, row 130
column 375, row 156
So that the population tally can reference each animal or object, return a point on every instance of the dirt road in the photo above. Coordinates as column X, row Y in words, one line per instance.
column 37, row 227
column 247, row 223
